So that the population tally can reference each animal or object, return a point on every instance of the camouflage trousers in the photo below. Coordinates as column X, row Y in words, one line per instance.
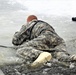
column 30, row 54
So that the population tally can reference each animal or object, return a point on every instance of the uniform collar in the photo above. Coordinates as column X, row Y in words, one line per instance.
column 29, row 24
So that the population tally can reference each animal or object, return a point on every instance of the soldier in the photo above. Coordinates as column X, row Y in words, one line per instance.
column 39, row 39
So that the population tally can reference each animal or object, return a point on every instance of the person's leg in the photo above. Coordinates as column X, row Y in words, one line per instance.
column 28, row 53
column 33, row 57
column 63, row 56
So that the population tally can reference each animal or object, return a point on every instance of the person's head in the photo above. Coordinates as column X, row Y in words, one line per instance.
column 31, row 17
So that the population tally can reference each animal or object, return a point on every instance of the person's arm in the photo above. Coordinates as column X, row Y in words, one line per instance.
column 20, row 37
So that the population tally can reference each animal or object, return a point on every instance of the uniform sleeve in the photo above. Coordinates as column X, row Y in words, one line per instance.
column 20, row 37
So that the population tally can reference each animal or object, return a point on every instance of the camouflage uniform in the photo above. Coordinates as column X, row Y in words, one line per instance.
column 36, row 37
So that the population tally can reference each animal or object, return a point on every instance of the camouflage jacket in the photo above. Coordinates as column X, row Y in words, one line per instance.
column 38, row 34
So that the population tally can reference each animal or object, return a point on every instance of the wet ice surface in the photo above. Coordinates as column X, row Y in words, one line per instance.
column 8, row 56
